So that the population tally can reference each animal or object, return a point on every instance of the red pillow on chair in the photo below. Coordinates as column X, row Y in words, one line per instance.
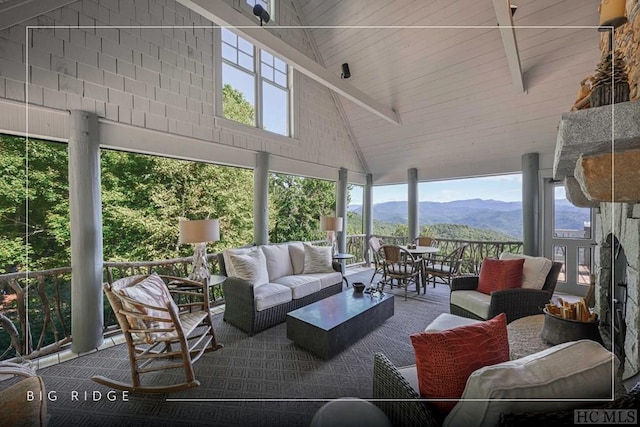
column 445, row 359
column 498, row 274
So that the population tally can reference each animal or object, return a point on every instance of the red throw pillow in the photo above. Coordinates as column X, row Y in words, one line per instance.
column 446, row 359
column 498, row 274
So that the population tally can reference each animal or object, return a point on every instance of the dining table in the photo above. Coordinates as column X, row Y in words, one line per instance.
column 423, row 252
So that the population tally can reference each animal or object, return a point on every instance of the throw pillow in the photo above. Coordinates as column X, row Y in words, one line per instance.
column 317, row 259
column 251, row 267
column 535, row 270
column 151, row 291
column 278, row 260
column 228, row 263
column 296, row 253
column 445, row 359
column 498, row 274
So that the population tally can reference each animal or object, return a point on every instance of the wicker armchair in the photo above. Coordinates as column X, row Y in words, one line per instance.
column 444, row 267
column 401, row 265
column 375, row 244
column 515, row 303
column 17, row 410
column 402, row 405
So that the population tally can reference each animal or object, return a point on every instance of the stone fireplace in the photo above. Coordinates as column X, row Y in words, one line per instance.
column 617, row 264
column 606, row 176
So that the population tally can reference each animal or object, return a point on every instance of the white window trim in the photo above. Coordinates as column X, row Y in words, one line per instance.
column 292, row 116
column 237, row 127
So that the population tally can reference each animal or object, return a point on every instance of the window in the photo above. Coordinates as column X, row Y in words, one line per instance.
column 255, row 85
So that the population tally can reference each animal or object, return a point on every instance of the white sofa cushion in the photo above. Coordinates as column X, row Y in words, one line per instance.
column 473, row 301
column 301, row 285
column 278, row 260
column 317, row 259
column 296, row 252
column 447, row 321
column 228, row 264
column 269, row 295
column 251, row 267
column 534, row 271
column 327, row 279
column 574, row 370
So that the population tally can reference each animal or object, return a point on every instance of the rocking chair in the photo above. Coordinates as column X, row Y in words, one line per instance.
column 159, row 333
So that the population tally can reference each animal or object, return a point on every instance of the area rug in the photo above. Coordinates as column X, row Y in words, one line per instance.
column 264, row 380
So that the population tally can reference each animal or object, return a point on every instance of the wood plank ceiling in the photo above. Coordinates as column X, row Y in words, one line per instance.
column 452, row 87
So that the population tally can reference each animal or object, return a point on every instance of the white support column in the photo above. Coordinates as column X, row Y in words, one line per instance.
column 367, row 215
column 412, row 203
column 261, row 199
column 530, row 206
column 85, row 212
column 341, row 208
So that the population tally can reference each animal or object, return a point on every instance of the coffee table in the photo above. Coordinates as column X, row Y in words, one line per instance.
column 330, row 325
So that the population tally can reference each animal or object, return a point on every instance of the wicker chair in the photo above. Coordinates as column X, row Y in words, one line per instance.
column 445, row 267
column 375, row 244
column 403, row 406
column 161, row 337
column 400, row 265
column 425, row 241
column 515, row 303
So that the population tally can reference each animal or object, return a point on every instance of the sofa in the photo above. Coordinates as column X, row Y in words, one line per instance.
column 539, row 278
column 518, row 392
column 266, row 282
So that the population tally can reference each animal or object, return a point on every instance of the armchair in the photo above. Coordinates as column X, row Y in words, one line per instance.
column 445, row 267
column 401, row 265
column 466, row 301
column 375, row 244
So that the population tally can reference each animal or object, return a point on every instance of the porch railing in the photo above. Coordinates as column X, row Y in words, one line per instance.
column 476, row 250
column 35, row 310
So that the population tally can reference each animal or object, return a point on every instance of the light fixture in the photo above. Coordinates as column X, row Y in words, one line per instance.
column 199, row 232
column 346, row 73
column 513, row 9
column 261, row 13
column 331, row 224
column 612, row 14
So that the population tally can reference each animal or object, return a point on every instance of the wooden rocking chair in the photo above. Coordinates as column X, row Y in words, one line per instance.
column 159, row 333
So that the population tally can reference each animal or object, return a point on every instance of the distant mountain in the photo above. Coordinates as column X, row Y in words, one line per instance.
column 494, row 215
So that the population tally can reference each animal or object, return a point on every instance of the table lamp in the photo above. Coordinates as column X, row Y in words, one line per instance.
column 199, row 232
column 331, row 224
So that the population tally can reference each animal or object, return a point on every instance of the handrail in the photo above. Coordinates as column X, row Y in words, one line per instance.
column 41, row 325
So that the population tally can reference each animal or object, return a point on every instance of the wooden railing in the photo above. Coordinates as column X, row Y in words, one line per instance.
column 476, row 250
column 35, row 311
column 36, row 305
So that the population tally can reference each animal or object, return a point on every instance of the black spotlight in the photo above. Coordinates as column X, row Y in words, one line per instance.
column 259, row 11
column 345, row 71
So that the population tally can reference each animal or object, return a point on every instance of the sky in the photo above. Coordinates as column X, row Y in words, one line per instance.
column 507, row 188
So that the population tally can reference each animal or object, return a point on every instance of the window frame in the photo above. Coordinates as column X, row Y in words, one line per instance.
column 258, row 80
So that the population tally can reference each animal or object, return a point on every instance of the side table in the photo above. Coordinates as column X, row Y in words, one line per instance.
column 214, row 280
column 339, row 258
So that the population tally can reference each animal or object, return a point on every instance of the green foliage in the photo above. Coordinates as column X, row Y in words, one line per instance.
column 235, row 107
column 463, row 232
column 296, row 204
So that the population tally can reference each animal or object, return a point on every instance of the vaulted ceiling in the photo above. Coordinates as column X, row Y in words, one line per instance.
column 448, row 72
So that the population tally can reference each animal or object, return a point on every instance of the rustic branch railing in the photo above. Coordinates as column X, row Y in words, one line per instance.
column 476, row 250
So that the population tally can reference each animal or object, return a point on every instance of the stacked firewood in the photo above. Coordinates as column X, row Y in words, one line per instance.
column 571, row 311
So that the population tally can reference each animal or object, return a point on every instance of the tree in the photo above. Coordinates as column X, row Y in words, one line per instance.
column 296, row 204
column 235, row 107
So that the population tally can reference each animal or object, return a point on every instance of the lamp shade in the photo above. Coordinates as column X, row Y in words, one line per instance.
column 330, row 223
column 199, row 231
column 612, row 13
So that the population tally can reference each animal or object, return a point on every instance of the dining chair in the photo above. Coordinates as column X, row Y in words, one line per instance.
column 401, row 265
column 375, row 244
column 425, row 241
column 444, row 267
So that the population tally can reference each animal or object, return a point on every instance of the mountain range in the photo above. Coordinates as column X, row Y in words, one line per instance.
column 494, row 215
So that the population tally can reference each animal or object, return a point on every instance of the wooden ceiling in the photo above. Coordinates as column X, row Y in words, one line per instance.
column 443, row 67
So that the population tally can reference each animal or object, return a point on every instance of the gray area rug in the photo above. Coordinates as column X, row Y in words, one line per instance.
column 236, row 380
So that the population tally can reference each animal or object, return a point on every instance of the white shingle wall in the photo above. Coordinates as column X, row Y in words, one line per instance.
column 161, row 79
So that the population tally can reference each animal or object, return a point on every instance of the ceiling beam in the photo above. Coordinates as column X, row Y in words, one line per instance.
column 222, row 14
column 18, row 11
column 508, row 34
